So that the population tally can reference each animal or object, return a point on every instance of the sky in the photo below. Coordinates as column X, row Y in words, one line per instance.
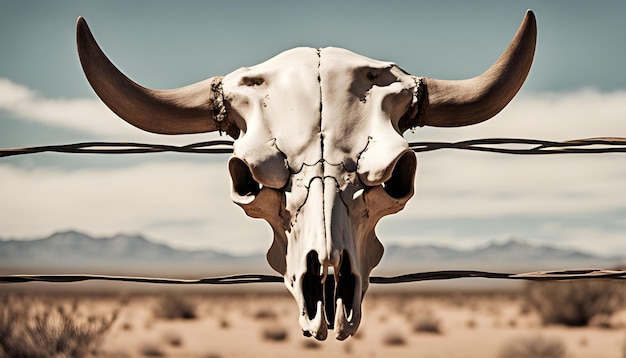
column 576, row 89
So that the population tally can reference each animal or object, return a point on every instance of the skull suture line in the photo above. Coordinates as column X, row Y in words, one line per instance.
column 318, row 152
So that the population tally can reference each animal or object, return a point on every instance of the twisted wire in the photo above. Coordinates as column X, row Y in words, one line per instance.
column 559, row 275
column 494, row 145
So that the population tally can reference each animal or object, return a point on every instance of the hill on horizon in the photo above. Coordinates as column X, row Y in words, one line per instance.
column 73, row 249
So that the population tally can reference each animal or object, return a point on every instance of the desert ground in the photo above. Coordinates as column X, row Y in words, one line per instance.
column 260, row 323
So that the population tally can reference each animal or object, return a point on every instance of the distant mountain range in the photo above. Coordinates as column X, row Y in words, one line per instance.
column 73, row 250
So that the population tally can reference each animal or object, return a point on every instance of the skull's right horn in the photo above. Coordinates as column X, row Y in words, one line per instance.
column 195, row 108
column 455, row 103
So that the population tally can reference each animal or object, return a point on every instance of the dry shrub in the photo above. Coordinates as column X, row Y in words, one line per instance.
column 265, row 313
column 533, row 347
column 212, row 355
column 394, row 338
column 175, row 307
column 310, row 344
column 426, row 322
column 151, row 350
column 275, row 333
column 575, row 303
column 27, row 330
column 173, row 339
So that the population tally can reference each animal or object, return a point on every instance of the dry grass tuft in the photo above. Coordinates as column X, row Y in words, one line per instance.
column 426, row 322
column 175, row 307
column 27, row 329
column 151, row 350
column 224, row 323
column 575, row 303
column 533, row 347
column 173, row 339
column 265, row 313
column 212, row 355
column 275, row 333
column 311, row 344
column 394, row 338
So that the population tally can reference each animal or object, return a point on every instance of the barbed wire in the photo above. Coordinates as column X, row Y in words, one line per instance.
column 560, row 275
column 579, row 146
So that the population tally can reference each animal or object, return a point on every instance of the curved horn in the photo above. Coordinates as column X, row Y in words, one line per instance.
column 195, row 108
column 461, row 103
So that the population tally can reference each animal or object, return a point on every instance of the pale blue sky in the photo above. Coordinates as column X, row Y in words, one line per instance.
column 576, row 89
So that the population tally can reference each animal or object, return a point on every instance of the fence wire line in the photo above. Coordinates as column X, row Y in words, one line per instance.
column 561, row 275
column 494, row 145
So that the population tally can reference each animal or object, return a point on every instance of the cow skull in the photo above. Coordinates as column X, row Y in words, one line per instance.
column 318, row 152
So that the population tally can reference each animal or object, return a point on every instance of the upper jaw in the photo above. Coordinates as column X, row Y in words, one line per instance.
column 329, row 297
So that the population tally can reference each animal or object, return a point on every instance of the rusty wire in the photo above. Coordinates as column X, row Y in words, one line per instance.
column 494, row 145
column 561, row 275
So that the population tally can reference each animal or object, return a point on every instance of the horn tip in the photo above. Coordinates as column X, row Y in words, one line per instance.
column 530, row 16
column 81, row 25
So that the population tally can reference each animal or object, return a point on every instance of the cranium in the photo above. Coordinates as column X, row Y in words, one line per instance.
column 319, row 151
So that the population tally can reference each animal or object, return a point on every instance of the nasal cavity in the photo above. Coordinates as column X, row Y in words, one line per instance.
column 312, row 289
column 346, row 283
column 244, row 184
column 400, row 184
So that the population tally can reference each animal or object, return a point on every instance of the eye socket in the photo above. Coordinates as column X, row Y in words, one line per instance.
column 241, row 176
column 252, row 81
column 401, row 182
column 381, row 77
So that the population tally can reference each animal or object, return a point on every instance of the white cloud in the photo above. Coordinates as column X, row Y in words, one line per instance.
column 90, row 116
column 186, row 204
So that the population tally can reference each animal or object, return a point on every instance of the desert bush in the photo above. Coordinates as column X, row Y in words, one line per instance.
column 426, row 323
column 575, row 303
column 394, row 338
column 310, row 344
column 173, row 339
column 175, row 307
column 51, row 332
column 265, row 313
column 533, row 347
column 151, row 350
column 275, row 333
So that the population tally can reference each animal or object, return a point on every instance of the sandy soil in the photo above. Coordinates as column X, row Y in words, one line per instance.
column 394, row 325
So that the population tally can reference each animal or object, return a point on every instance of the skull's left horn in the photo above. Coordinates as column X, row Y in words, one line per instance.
column 448, row 103
column 195, row 108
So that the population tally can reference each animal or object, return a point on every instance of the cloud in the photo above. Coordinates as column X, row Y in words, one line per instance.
column 185, row 204
column 90, row 116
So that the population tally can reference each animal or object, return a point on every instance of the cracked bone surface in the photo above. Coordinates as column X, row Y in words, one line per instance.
column 319, row 152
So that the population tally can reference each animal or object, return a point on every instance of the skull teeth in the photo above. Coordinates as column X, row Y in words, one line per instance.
column 329, row 298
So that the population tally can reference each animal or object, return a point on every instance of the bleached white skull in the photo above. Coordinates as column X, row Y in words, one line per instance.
column 318, row 152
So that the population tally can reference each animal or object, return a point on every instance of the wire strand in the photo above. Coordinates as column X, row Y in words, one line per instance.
column 494, row 145
column 560, row 275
